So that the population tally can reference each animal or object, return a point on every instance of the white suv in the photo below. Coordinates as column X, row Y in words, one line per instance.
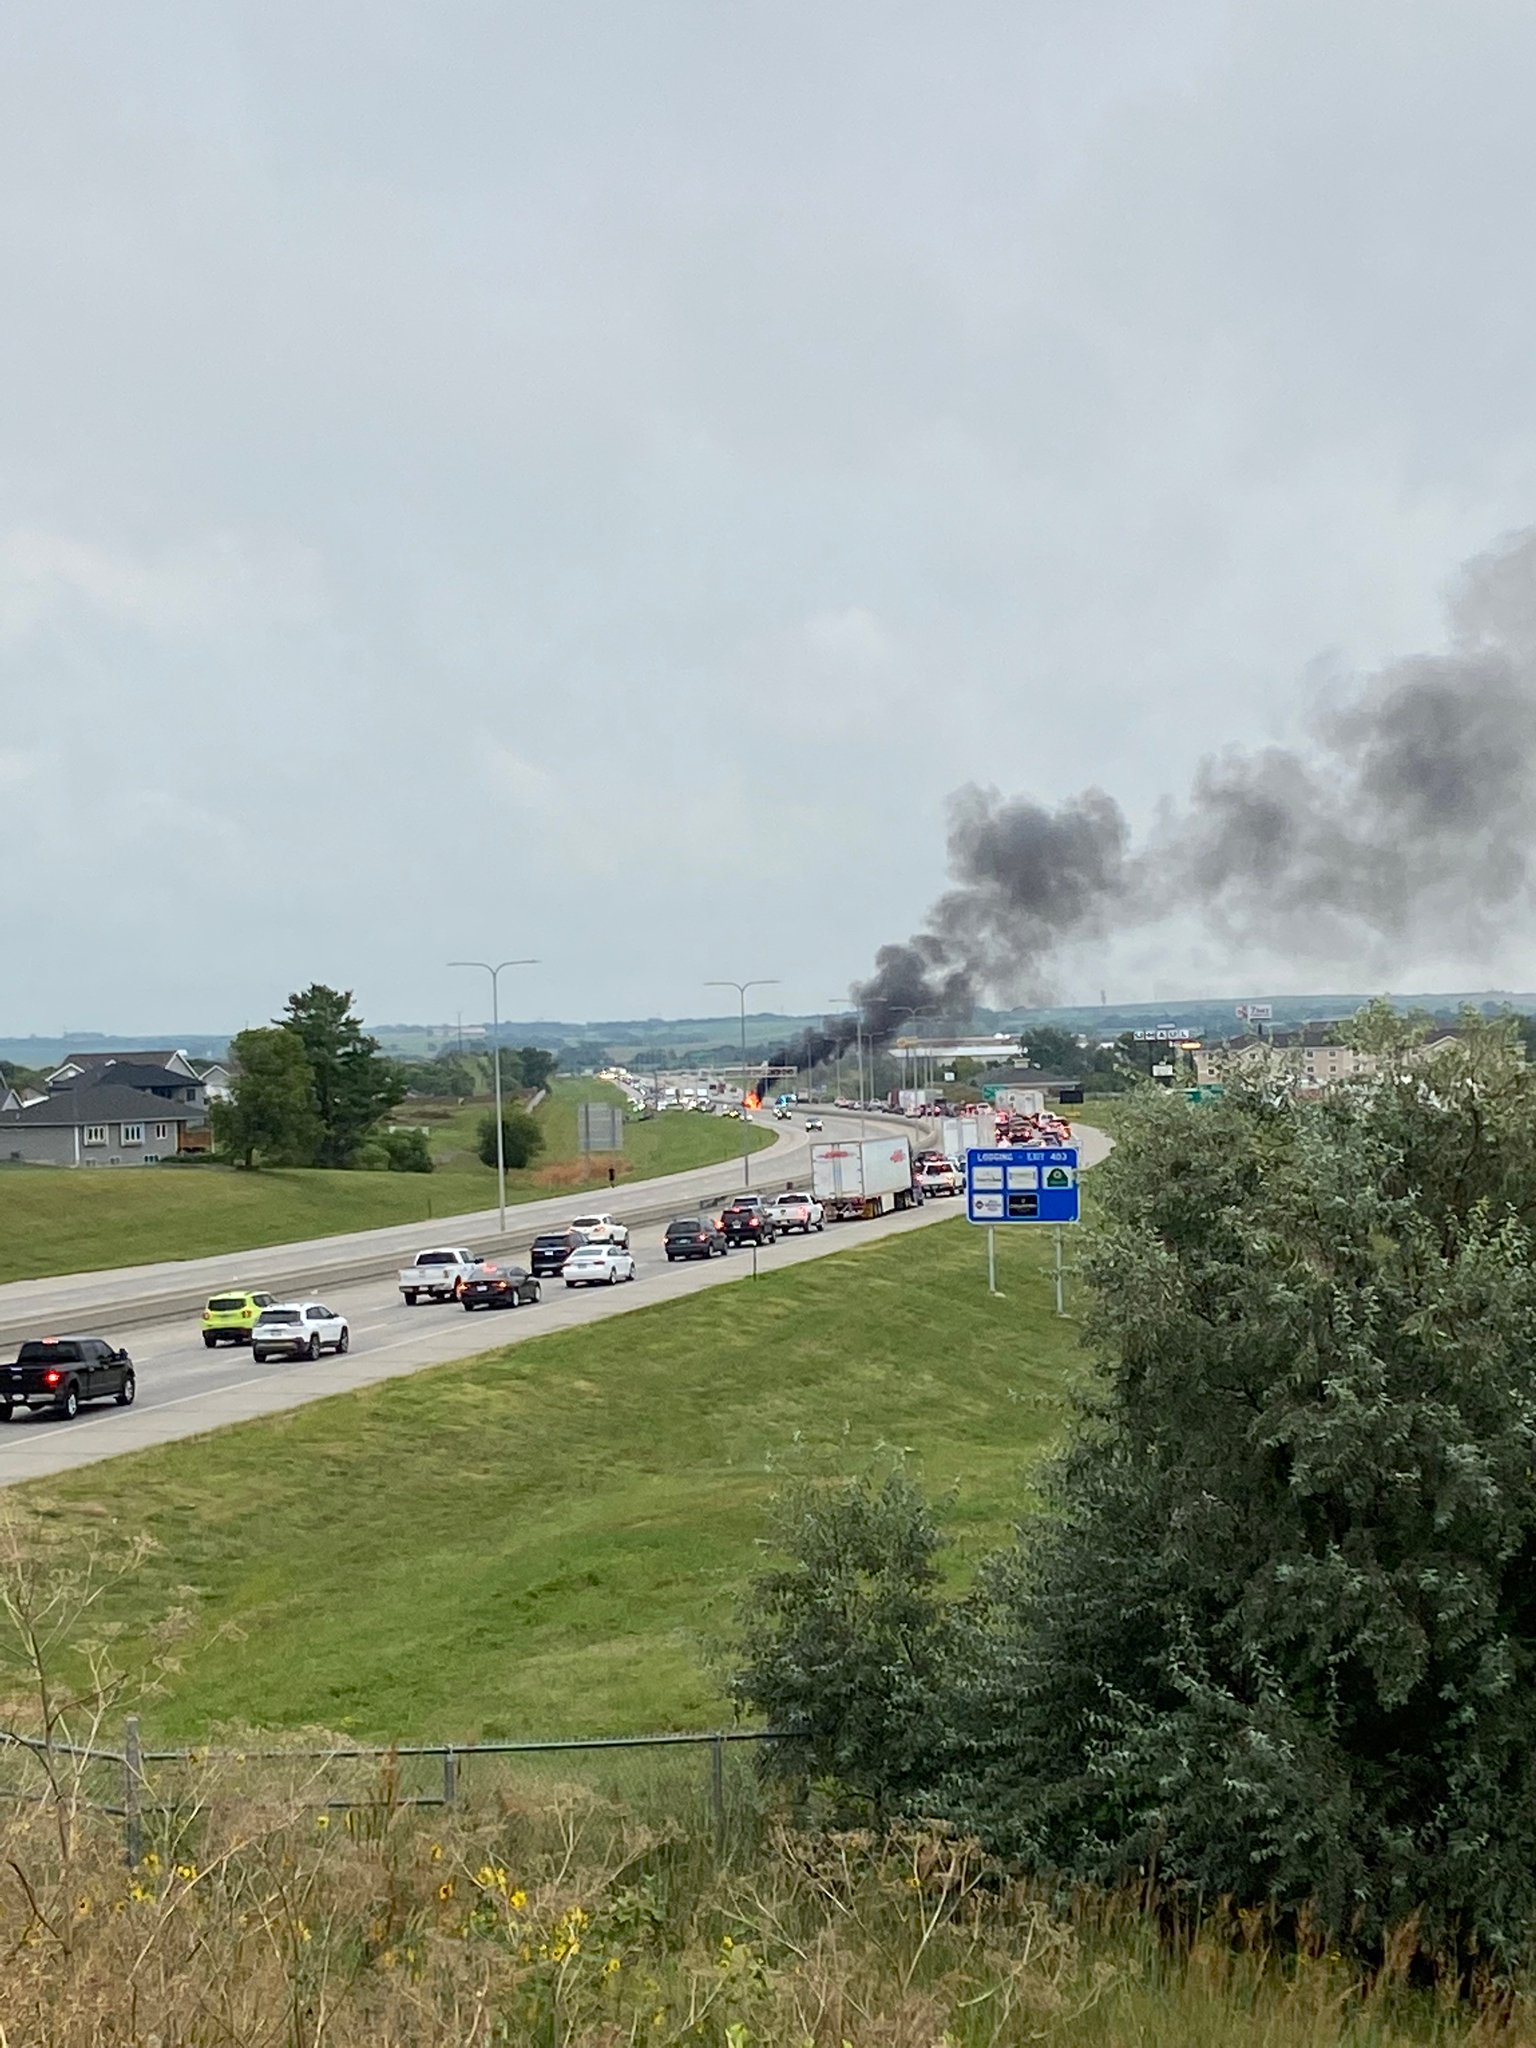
column 602, row 1229
column 298, row 1329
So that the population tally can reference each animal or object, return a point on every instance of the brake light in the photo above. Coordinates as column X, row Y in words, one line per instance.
column 50, row 1379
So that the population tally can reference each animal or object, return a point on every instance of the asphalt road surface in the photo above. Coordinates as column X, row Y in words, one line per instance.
column 185, row 1389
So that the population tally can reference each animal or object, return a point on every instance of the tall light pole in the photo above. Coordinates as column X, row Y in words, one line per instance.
column 907, row 1010
column 741, row 987
column 501, row 1147
column 843, row 1003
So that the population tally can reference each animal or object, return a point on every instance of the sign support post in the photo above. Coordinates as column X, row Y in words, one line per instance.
column 1023, row 1184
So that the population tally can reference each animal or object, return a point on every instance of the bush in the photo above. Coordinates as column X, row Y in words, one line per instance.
column 842, row 1645
column 522, row 1137
column 407, row 1151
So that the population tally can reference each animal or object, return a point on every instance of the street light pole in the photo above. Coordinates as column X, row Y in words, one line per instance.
column 501, row 1151
column 741, row 987
column 843, row 1003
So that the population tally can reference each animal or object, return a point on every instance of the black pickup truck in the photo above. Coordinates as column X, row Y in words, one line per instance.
column 61, row 1372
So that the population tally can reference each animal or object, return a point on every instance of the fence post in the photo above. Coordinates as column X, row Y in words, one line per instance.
column 450, row 1775
column 133, row 1773
column 717, row 1789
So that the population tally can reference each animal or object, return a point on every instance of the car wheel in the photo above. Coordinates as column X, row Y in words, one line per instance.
column 258, row 1357
column 671, row 1258
column 127, row 1392
column 410, row 1297
column 613, row 1276
column 6, row 1411
column 535, row 1293
column 467, row 1306
column 209, row 1340
column 343, row 1342
column 570, row 1283
column 312, row 1349
column 69, row 1407
column 630, row 1275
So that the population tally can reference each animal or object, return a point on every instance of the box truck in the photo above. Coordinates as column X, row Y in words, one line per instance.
column 856, row 1178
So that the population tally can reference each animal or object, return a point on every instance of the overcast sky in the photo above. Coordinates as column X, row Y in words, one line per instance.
column 588, row 480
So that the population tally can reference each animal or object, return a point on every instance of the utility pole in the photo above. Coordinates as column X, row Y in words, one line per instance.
column 501, row 1153
column 741, row 987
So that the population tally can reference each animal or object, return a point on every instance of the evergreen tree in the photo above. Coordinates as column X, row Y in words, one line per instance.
column 354, row 1084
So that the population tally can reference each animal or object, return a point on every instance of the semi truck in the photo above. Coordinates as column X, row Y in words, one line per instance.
column 858, row 1178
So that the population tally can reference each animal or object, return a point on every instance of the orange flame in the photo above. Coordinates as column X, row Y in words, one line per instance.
column 752, row 1100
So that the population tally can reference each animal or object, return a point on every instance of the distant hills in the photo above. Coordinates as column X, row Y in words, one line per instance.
column 637, row 1038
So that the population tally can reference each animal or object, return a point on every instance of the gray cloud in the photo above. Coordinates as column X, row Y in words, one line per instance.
column 562, row 446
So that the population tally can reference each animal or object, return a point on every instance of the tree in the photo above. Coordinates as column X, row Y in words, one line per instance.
column 271, row 1110
column 1275, row 1639
column 535, row 1066
column 1055, row 1052
column 354, row 1085
column 843, row 1643
column 522, row 1136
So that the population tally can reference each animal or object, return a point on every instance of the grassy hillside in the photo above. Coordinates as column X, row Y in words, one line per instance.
column 58, row 1220
column 549, row 1538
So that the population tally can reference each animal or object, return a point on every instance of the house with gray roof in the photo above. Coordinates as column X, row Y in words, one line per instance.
column 106, row 1125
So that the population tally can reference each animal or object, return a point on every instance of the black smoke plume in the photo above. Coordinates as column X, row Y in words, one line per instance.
column 1406, row 821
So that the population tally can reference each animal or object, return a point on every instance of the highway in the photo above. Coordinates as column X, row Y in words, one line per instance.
column 185, row 1390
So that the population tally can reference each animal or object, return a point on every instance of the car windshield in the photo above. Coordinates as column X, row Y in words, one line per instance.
column 685, row 1226
column 588, row 1222
column 49, row 1354
column 279, row 1315
column 226, row 1304
column 436, row 1258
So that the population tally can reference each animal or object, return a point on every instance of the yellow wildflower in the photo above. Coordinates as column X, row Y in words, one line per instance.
column 445, row 1891
column 322, row 1820
column 304, row 1933
column 612, row 1967
column 517, row 1901
column 437, row 1852
column 187, row 1872
column 83, row 1903
column 151, row 1862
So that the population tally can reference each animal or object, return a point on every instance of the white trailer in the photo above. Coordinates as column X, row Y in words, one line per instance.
column 961, row 1134
column 855, row 1179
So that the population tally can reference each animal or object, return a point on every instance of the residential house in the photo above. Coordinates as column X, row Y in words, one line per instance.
column 169, row 1076
column 103, row 1125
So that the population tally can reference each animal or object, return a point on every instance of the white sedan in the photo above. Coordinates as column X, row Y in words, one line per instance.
column 602, row 1229
column 602, row 1264
column 298, row 1329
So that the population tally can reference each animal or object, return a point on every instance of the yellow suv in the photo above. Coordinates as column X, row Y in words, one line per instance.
column 231, row 1317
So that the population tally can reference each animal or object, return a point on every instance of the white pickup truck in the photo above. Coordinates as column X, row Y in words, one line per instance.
column 437, row 1274
column 939, row 1177
column 794, row 1210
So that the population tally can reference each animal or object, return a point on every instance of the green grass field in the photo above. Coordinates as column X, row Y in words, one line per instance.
column 55, row 1220
column 549, row 1539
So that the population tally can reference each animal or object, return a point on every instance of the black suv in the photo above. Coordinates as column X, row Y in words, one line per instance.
column 695, row 1237
column 744, row 1222
column 61, row 1372
column 551, row 1249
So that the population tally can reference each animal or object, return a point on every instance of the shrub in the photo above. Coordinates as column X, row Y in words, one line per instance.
column 408, row 1151
column 522, row 1137
column 842, row 1644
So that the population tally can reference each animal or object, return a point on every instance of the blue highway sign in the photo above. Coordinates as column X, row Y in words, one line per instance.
column 1021, row 1184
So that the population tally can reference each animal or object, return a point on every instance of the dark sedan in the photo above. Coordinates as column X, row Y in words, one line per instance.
column 695, row 1237
column 492, row 1285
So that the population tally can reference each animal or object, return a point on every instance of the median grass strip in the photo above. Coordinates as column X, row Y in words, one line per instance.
column 64, row 1220
column 548, row 1538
